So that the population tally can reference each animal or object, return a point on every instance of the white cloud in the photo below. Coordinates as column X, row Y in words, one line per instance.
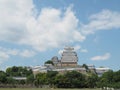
column 60, row 52
column 6, row 53
column 9, row 51
column 51, row 28
column 77, row 47
column 103, row 57
column 13, row 52
column 84, row 50
column 13, row 19
column 27, row 53
column 20, row 23
column 105, row 20
column 3, row 56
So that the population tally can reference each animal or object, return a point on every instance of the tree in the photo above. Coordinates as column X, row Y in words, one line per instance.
column 116, row 76
column 75, row 79
column 9, row 71
column 106, row 79
column 110, row 79
column 86, row 67
column 92, row 81
column 51, row 74
column 109, row 76
column 41, row 79
column 49, row 62
column 71, row 79
column 10, row 80
column 3, row 78
column 51, row 77
column 18, row 71
column 30, row 79
column 61, row 81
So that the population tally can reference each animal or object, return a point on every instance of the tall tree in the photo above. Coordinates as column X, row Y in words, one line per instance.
column 92, row 80
column 49, row 62
column 3, row 78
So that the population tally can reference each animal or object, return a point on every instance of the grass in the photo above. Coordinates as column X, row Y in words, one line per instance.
column 41, row 89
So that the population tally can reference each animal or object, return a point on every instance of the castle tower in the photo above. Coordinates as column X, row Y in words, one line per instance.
column 69, row 57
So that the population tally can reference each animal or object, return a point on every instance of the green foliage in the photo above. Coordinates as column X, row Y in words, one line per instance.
column 10, row 80
column 45, row 78
column 3, row 78
column 49, row 62
column 41, row 79
column 110, row 79
column 71, row 79
column 85, row 66
column 116, row 76
column 76, row 79
column 7, row 77
column 18, row 71
column 92, row 80
column 61, row 81
column 30, row 79
column 51, row 77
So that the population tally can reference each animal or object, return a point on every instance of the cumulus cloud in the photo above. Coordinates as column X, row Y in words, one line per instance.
column 13, row 18
column 103, row 57
column 60, row 51
column 9, row 51
column 27, row 53
column 104, row 20
column 6, row 53
column 21, row 23
column 54, row 28
column 3, row 56
column 77, row 47
column 84, row 50
column 49, row 29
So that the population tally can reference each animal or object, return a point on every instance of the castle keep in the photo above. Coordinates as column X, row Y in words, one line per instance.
column 68, row 59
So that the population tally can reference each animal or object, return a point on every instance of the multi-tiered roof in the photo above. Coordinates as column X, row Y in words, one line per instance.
column 69, row 55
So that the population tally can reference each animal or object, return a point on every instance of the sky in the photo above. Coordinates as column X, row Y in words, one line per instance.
column 33, row 31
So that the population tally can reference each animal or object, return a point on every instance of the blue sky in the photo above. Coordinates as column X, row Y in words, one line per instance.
column 33, row 31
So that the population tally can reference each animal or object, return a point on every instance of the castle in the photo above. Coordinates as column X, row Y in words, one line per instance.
column 67, row 62
column 69, row 58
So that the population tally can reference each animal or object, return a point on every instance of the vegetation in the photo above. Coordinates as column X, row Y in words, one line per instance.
column 49, row 62
column 54, row 79
column 110, row 79
column 7, row 77
column 42, row 89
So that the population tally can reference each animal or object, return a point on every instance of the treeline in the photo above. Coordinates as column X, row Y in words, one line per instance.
column 68, row 80
column 7, row 77
column 54, row 79
column 109, row 79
